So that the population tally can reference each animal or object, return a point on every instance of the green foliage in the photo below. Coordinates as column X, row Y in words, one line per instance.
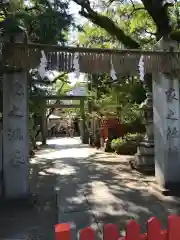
column 123, row 99
column 127, row 144
column 93, row 36
column 61, row 86
column 123, row 96
column 135, row 23
column 43, row 20
column 50, row 23
column 131, row 113
column 161, row 17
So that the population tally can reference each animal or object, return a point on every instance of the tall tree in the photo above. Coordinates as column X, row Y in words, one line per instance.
column 157, row 10
column 44, row 21
column 137, row 25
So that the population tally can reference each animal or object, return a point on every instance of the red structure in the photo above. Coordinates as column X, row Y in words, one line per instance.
column 107, row 126
column 154, row 232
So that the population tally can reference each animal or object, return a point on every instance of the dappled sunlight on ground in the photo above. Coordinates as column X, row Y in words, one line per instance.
column 66, row 170
column 90, row 187
column 64, row 148
column 97, row 188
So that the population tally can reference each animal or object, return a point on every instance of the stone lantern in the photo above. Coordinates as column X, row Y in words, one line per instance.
column 147, row 108
column 144, row 158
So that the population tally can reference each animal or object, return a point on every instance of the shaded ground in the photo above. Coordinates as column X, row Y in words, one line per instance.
column 83, row 186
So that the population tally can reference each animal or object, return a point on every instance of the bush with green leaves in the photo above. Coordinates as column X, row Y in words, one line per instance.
column 131, row 113
column 127, row 144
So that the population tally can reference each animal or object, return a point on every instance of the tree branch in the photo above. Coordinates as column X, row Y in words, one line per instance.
column 107, row 24
column 159, row 13
column 61, row 75
column 157, row 9
column 136, row 9
column 32, row 8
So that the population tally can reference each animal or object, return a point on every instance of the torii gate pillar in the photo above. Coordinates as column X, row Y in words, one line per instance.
column 166, row 111
column 15, row 133
column 83, row 128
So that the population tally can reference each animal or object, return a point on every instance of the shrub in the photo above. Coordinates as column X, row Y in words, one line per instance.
column 126, row 144
column 131, row 113
column 133, row 137
column 131, row 118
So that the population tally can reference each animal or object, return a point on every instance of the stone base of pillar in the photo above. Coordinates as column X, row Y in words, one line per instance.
column 27, row 200
column 97, row 142
column 171, row 190
column 44, row 141
column 102, row 142
column 91, row 141
column 85, row 138
column 144, row 158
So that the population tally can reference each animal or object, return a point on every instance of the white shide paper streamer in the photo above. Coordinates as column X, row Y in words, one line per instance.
column 141, row 68
column 43, row 65
column 76, row 65
column 113, row 72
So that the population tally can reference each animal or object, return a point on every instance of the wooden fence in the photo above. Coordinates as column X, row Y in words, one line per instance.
column 154, row 232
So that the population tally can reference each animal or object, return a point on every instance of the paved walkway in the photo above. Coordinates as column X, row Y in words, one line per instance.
column 83, row 186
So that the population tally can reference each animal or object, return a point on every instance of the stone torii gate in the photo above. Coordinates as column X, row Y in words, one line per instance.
column 163, row 64
column 81, row 99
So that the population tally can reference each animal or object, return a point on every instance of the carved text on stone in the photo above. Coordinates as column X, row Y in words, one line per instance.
column 171, row 95
column 173, row 149
column 18, row 89
column 14, row 112
column 171, row 114
column 16, row 159
column 172, row 133
column 15, row 134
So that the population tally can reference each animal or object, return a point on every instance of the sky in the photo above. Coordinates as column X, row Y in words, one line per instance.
column 74, row 9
